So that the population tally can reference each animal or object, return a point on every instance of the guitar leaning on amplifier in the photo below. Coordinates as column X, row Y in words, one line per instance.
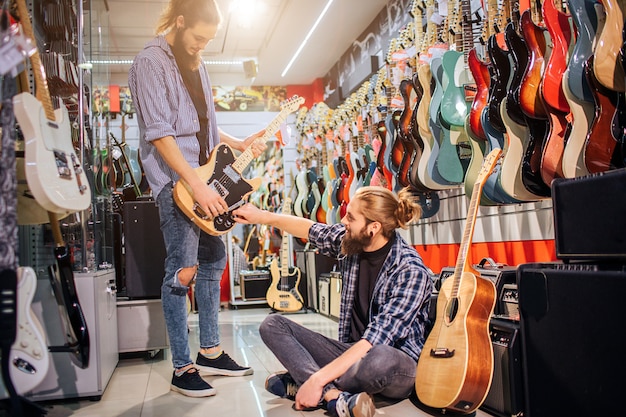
column 223, row 174
column 455, row 368
column 283, row 295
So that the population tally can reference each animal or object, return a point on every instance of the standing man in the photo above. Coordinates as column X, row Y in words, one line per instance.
column 385, row 300
column 172, row 93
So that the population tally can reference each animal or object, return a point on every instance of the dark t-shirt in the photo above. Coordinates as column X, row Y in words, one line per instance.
column 369, row 267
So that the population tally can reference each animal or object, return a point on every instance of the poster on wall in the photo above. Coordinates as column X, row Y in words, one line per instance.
column 255, row 98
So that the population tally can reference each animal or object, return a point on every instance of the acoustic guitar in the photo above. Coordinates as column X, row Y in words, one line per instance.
column 455, row 369
column 223, row 174
column 283, row 294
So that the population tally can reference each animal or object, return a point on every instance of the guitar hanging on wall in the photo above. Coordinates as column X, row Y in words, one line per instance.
column 54, row 172
column 223, row 174
column 66, row 190
column 283, row 294
column 455, row 368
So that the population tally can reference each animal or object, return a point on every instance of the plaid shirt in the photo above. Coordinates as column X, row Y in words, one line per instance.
column 399, row 305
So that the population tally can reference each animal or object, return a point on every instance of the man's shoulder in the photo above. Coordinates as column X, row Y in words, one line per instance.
column 155, row 50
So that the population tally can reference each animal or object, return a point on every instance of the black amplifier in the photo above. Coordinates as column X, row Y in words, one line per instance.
column 572, row 321
column 506, row 395
column 500, row 275
column 254, row 284
column 590, row 217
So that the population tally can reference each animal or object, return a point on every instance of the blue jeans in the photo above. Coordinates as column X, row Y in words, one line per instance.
column 187, row 246
column 384, row 370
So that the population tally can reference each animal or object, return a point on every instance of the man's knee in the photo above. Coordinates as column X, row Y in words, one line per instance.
column 270, row 323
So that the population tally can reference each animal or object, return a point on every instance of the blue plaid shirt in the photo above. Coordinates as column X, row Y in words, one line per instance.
column 401, row 299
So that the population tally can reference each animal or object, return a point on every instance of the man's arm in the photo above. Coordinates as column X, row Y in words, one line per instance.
column 310, row 393
column 208, row 200
column 297, row 226
column 241, row 145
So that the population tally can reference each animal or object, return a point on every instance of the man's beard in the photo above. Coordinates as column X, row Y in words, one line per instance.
column 351, row 245
column 183, row 58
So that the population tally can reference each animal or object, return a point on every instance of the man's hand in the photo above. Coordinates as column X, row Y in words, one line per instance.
column 209, row 200
column 258, row 147
column 249, row 214
column 309, row 394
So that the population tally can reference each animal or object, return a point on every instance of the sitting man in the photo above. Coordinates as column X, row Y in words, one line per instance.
column 385, row 303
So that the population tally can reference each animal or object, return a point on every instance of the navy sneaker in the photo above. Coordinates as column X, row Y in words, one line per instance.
column 191, row 384
column 223, row 365
column 282, row 385
column 355, row 405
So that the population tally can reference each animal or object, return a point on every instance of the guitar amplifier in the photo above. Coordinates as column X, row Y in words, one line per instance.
column 498, row 274
column 335, row 295
column 254, row 284
column 572, row 321
column 590, row 217
column 323, row 292
column 506, row 396
column 144, row 250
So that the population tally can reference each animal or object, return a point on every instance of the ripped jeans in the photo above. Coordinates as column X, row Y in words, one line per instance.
column 187, row 246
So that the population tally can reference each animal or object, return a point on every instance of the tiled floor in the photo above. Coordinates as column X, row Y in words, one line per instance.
column 140, row 385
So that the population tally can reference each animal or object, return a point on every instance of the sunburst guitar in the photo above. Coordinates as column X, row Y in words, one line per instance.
column 455, row 368
column 223, row 174
column 283, row 294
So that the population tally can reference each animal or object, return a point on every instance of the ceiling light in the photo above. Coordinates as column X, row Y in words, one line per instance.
column 306, row 39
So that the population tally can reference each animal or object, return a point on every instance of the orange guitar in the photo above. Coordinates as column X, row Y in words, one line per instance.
column 455, row 368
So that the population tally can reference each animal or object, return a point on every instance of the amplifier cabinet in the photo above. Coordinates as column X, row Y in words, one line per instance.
column 506, row 396
column 336, row 284
column 254, row 284
column 572, row 324
column 323, row 292
column 144, row 249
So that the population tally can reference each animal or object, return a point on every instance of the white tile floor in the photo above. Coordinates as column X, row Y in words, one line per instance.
column 140, row 385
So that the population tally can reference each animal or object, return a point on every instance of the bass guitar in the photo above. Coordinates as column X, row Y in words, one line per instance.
column 223, row 174
column 54, row 172
column 455, row 369
column 283, row 294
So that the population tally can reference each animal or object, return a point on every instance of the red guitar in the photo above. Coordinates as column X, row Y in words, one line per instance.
column 559, row 27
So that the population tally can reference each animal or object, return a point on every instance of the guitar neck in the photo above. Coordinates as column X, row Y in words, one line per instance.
column 41, row 83
column 247, row 156
column 56, row 229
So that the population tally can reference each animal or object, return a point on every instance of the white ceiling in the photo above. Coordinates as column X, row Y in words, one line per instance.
column 272, row 35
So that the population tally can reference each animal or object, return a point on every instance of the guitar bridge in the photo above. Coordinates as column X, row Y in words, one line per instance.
column 442, row 353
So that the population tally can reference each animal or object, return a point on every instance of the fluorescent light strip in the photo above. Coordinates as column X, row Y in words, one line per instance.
column 130, row 61
column 306, row 39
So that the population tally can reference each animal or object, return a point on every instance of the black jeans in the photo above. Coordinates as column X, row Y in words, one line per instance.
column 383, row 370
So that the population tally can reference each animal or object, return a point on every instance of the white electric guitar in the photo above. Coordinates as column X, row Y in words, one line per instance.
column 29, row 360
column 54, row 172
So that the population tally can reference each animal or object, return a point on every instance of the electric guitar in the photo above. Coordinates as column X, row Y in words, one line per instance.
column 283, row 294
column 54, row 172
column 223, row 174
column 29, row 357
column 456, row 365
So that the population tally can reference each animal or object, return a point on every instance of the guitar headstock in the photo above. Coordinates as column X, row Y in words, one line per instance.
column 488, row 165
column 292, row 104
